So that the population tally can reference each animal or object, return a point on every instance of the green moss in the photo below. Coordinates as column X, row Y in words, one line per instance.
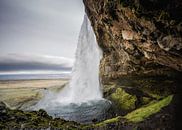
column 108, row 90
column 145, row 100
column 33, row 120
column 154, row 95
column 145, row 111
column 108, row 121
column 124, row 100
column 157, row 88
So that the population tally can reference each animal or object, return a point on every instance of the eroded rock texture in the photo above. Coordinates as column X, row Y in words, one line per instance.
column 138, row 37
column 142, row 59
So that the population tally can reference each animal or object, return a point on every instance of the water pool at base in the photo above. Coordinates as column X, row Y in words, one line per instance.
column 82, row 113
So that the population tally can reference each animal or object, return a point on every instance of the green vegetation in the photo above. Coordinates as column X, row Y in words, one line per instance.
column 139, row 114
column 145, row 111
column 124, row 100
column 112, row 120
column 108, row 90
column 145, row 100
column 16, row 119
column 153, row 87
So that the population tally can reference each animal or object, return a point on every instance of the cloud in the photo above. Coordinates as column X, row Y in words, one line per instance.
column 25, row 62
column 40, row 26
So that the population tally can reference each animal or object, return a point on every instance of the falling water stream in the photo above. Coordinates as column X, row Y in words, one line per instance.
column 81, row 100
column 84, row 84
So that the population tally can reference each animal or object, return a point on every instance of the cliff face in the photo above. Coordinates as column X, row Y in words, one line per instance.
column 142, row 60
column 138, row 37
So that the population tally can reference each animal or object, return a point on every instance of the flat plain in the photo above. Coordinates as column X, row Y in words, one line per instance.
column 23, row 93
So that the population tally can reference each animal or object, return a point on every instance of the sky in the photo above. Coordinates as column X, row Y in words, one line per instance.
column 39, row 35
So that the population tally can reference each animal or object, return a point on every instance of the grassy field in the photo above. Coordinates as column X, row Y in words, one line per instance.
column 22, row 93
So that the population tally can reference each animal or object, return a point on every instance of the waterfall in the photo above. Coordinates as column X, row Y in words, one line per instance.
column 84, row 84
column 81, row 100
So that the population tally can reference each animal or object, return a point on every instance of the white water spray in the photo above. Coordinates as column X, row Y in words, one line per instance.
column 81, row 100
column 84, row 84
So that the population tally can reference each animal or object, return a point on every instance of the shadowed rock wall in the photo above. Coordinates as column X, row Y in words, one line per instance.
column 138, row 37
column 142, row 58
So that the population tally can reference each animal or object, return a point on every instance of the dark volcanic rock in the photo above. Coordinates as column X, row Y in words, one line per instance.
column 34, row 120
column 142, row 57
column 2, row 106
column 138, row 37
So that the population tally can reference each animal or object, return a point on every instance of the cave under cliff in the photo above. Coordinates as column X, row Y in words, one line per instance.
column 142, row 61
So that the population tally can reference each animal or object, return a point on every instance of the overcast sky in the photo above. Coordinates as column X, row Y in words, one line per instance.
column 32, row 29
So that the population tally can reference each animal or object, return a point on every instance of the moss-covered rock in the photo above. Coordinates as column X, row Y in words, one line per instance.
column 108, row 90
column 17, row 119
column 146, row 111
column 123, row 100
column 152, row 87
column 136, row 118
column 145, row 100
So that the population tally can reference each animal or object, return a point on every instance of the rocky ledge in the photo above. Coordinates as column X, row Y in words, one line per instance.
column 34, row 120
